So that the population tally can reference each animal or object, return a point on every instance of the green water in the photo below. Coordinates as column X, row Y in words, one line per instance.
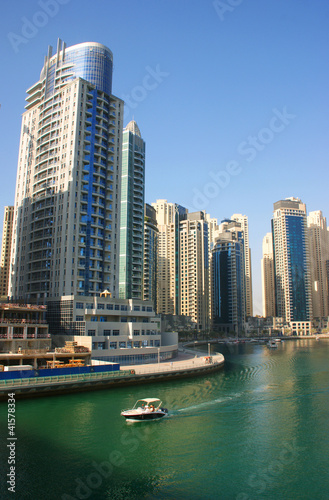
column 259, row 429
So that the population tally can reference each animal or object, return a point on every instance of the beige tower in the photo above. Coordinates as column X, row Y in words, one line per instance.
column 5, row 250
column 168, row 287
column 194, row 268
column 243, row 219
column 268, row 284
column 319, row 256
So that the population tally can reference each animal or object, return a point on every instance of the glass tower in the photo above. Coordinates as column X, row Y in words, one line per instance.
column 291, row 261
column 67, row 202
column 228, row 298
column 132, row 214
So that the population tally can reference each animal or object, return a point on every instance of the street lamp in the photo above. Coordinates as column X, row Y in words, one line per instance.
column 158, row 355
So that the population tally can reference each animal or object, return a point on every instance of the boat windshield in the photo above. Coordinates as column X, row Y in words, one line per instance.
column 143, row 403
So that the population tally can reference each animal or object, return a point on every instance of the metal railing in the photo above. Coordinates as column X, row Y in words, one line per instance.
column 80, row 377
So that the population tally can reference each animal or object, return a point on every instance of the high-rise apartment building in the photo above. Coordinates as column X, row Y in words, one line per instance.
column 243, row 219
column 6, row 250
column 132, row 214
column 194, row 269
column 291, row 261
column 268, row 282
column 67, row 203
column 168, row 217
column 319, row 255
column 228, row 289
column 150, row 255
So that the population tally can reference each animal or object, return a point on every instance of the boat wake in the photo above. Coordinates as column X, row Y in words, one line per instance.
column 207, row 404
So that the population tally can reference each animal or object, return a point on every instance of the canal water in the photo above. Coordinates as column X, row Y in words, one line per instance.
column 258, row 429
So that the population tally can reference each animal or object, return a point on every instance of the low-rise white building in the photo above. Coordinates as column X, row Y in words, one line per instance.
column 126, row 331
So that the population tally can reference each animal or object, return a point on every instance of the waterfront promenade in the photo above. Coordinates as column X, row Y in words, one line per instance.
column 186, row 360
column 186, row 364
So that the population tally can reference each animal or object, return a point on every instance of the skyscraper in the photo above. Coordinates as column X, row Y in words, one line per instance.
column 168, row 217
column 67, row 203
column 319, row 255
column 132, row 214
column 150, row 255
column 6, row 250
column 194, row 268
column 243, row 219
column 268, row 284
column 228, row 290
column 291, row 261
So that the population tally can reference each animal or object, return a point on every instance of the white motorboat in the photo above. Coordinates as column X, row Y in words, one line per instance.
column 144, row 410
column 272, row 344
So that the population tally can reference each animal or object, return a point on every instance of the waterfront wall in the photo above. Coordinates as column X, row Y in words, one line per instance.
column 95, row 381
column 51, row 372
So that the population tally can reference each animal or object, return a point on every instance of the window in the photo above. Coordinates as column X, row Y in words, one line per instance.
column 136, row 344
column 136, row 332
column 122, row 345
column 79, row 305
column 107, row 332
column 116, row 332
column 113, row 345
column 89, row 306
column 116, row 307
column 91, row 333
column 79, row 318
column 137, row 308
column 100, row 306
column 109, row 307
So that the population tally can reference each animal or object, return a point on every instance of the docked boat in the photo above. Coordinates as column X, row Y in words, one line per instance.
column 272, row 344
column 145, row 409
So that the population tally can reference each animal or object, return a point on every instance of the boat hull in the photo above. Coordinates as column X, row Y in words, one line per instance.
column 144, row 416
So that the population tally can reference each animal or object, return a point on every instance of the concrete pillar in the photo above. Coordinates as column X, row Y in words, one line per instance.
column 10, row 332
column 25, row 332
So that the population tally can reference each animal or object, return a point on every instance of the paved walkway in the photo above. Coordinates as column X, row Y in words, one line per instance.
column 184, row 361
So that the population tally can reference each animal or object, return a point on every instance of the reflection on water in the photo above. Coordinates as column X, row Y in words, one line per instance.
column 257, row 429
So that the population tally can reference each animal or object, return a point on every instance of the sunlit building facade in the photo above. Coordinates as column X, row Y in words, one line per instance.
column 150, row 255
column 268, row 282
column 7, row 231
column 291, row 261
column 319, row 256
column 67, row 202
column 168, row 217
column 243, row 219
column 194, row 269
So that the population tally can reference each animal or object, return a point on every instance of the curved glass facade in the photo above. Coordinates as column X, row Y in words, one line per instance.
column 91, row 61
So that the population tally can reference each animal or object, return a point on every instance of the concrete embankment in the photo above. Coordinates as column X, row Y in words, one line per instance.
column 184, row 365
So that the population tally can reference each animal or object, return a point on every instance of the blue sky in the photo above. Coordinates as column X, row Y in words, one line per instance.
column 231, row 96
